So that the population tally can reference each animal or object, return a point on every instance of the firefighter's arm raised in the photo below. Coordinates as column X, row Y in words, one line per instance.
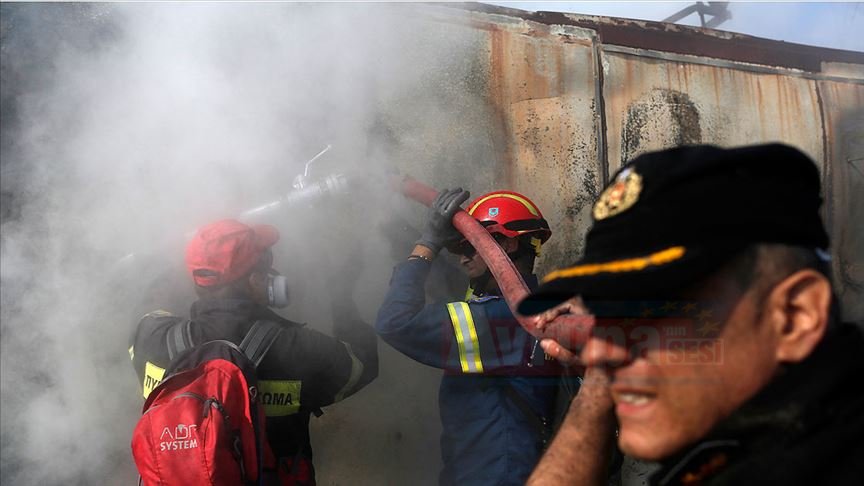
column 405, row 321
column 467, row 337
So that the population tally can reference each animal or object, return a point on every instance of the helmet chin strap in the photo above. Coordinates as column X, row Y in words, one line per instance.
column 479, row 284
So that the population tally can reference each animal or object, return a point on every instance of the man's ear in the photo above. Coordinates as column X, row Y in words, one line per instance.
column 798, row 308
column 257, row 282
column 509, row 245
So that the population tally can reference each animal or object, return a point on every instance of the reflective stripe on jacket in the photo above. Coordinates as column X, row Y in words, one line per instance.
column 486, row 437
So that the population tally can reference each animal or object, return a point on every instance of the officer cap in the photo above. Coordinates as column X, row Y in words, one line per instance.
column 670, row 217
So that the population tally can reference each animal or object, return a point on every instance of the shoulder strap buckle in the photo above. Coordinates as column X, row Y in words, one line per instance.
column 179, row 338
column 259, row 339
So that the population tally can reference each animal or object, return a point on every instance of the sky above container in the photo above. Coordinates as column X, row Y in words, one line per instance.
column 824, row 24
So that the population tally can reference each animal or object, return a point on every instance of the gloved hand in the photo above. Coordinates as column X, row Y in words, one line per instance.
column 439, row 229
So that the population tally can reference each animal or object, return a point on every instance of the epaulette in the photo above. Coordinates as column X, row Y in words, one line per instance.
column 156, row 316
column 486, row 298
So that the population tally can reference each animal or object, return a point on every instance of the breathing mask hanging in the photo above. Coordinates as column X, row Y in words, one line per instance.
column 277, row 290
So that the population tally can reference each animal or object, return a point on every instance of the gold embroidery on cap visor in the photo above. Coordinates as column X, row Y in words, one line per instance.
column 628, row 265
column 619, row 196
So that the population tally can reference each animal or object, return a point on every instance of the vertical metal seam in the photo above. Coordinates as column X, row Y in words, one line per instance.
column 827, row 182
column 602, row 153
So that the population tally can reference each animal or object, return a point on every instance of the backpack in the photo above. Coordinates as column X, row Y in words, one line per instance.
column 203, row 424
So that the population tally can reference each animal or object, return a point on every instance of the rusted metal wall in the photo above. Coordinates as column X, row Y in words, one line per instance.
column 565, row 100
column 542, row 87
column 843, row 115
column 655, row 103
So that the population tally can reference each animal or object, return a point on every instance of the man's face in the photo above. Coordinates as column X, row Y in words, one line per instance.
column 471, row 260
column 474, row 265
column 672, row 380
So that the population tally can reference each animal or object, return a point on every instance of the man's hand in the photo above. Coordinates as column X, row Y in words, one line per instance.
column 572, row 306
column 563, row 355
column 553, row 348
column 439, row 229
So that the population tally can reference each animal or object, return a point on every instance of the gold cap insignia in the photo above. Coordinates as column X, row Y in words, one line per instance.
column 619, row 196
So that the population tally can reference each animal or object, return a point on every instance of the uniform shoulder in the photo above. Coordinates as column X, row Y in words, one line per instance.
column 484, row 299
column 158, row 318
column 284, row 323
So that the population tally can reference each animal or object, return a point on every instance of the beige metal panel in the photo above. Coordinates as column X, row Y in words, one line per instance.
column 544, row 88
column 654, row 103
column 843, row 109
column 520, row 104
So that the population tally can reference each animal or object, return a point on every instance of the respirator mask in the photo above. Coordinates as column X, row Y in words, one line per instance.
column 277, row 290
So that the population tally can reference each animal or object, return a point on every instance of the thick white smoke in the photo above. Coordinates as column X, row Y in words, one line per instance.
column 132, row 126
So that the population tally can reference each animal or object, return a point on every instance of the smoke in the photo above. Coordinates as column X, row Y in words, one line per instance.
column 125, row 126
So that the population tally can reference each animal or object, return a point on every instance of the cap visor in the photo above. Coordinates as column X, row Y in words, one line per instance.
column 265, row 235
column 656, row 275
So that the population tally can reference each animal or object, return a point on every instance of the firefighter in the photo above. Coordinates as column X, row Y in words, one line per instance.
column 718, row 350
column 498, row 388
column 231, row 265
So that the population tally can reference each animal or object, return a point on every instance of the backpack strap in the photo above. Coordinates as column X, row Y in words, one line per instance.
column 179, row 338
column 258, row 340
column 539, row 423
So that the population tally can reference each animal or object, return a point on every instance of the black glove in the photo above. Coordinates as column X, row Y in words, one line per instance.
column 439, row 229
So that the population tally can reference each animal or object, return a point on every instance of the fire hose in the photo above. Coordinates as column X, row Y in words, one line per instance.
column 570, row 330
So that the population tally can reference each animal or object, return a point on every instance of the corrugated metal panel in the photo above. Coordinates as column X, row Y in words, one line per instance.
column 843, row 112
column 684, row 39
column 573, row 97
column 653, row 104
column 531, row 118
column 543, row 86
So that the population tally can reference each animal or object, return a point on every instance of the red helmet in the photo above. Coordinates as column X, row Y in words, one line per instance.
column 224, row 251
column 510, row 214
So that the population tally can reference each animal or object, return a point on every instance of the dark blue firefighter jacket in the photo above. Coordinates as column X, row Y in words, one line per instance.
column 488, row 438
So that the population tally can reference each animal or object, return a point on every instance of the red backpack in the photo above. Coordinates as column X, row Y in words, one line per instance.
column 204, row 424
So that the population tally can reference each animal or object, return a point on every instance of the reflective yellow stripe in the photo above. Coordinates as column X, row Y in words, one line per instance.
column 628, row 265
column 463, row 325
column 152, row 377
column 474, row 341
column 280, row 397
column 457, row 328
column 353, row 377
column 522, row 200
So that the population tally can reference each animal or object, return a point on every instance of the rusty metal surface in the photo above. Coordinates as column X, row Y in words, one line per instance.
column 543, row 87
column 843, row 112
column 571, row 98
column 529, row 112
column 652, row 105
column 685, row 39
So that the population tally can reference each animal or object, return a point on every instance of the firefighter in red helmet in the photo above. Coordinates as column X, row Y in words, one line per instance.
column 498, row 390
column 231, row 266
column 517, row 225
